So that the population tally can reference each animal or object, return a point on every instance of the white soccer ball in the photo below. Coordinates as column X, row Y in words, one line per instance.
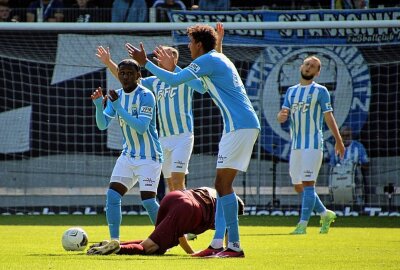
column 74, row 239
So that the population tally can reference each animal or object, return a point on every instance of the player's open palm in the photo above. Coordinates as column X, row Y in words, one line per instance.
column 164, row 58
column 103, row 54
column 139, row 55
column 220, row 32
column 98, row 93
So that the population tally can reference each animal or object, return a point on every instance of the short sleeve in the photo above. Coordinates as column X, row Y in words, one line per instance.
column 147, row 105
column 324, row 100
column 202, row 66
column 286, row 103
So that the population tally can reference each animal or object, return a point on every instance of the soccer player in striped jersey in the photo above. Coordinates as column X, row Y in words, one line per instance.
column 241, row 125
column 307, row 105
column 175, row 119
column 175, row 116
column 355, row 154
column 141, row 157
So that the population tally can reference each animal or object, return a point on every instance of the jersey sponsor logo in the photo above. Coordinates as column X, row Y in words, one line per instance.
column 194, row 67
column 146, row 110
column 344, row 72
column 300, row 106
column 167, row 91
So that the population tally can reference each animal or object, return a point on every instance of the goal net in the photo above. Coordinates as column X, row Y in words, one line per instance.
column 53, row 157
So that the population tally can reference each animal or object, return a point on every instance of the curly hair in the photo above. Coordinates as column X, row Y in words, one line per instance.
column 204, row 34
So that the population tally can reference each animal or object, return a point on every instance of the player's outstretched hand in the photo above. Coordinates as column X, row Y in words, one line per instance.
column 220, row 31
column 103, row 54
column 98, row 93
column 139, row 55
column 220, row 36
column 164, row 58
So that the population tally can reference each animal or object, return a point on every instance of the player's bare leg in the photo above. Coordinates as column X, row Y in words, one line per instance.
column 176, row 181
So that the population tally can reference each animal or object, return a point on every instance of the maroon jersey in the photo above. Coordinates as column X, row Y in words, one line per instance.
column 181, row 212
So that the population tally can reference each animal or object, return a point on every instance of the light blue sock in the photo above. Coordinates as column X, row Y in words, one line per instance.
column 308, row 203
column 220, row 225
column 319, row 207
column 113, row 212
column 230, row 208
column 151, row 206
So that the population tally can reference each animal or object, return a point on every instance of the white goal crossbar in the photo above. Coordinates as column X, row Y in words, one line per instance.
column 124, row 27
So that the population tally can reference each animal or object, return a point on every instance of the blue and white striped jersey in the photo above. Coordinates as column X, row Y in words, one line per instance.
column 307, row 105
column 140, row 104
column 174, row 105
column 355, row 154
column 222, row 81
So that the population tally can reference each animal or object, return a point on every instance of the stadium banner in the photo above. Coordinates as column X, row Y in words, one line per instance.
column 296, row 36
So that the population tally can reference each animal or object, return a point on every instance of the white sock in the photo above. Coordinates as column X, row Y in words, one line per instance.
column 235, row 246
column 217, row 243
column 303, row 222
column 322, row 214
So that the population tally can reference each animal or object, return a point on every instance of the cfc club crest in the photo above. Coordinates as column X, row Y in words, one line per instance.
column 344, row 72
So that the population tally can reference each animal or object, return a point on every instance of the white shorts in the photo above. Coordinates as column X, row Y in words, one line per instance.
column 128, row 171
column 235, row 149
column 304, row 165
column 177, row 150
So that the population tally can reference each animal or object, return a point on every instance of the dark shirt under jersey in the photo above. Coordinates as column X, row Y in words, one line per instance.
column 181, row 212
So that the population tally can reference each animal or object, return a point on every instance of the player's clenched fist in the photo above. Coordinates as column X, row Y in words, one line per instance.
column 283, row 115
column 112, row 95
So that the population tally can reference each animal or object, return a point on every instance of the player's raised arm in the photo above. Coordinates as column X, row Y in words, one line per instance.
column 139, row 55
column 164, row 58
column 220, row 36
column 105, row 57
column 99, row 100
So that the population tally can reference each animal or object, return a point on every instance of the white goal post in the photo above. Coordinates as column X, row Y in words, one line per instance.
column 124, row 27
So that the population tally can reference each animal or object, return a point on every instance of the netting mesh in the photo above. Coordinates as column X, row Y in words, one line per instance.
column 65, row 161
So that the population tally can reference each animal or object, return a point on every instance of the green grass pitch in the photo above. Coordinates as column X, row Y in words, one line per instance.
column 34, row 242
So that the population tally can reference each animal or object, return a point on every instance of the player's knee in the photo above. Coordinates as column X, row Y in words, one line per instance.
column 145, row 195
column 298, row 188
